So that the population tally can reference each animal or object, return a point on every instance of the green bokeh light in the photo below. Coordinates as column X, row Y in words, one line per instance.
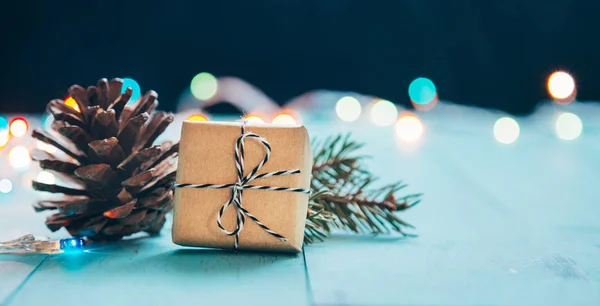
column 204, row 86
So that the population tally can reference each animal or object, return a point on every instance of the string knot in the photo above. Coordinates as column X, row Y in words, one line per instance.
column 242, row 183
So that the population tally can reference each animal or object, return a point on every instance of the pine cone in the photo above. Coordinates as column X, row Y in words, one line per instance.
column 119, row 182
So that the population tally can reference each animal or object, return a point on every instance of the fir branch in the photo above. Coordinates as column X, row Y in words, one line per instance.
column 346, row 198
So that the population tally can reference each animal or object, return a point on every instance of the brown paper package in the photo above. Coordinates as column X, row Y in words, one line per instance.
column 206, row 155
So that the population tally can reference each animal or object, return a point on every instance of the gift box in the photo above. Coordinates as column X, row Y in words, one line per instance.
column 265, row 206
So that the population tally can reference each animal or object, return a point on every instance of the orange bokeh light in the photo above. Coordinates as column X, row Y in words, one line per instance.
column 561, row 87
column 284, row 119
column 18, row 127
column 70, row 102
column 197, row 117
column 409, row 128
column 426, row 107
column 287, row 116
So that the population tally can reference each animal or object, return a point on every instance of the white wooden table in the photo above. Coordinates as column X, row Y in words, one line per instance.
column 499, row 225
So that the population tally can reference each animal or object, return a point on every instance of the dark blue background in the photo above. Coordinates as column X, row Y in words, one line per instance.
column 488, row 53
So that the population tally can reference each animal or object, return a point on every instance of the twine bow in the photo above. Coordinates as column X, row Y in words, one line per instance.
column 242, row 183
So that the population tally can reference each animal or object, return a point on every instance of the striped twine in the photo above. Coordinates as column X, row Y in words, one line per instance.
column 242, row 183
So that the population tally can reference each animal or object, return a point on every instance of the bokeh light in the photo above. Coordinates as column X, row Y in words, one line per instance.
column 18, row 127
column 46, row 147
column 3, row 123
column 6, row 186
column 285, row 119
column 135, row 89
column 70, row 102
column 348, row 108
column 409, row 128
column 4, row 137
column 506, row 130
column 4, row 132
column 47, row 122
column 568, row 126
column 204, row 86
column 45, row 177
column 253, row 118
column 422, row 91
column 383, row 113
column 561, row 86
column 425, row 107
column 197, row 117
column 19, row 158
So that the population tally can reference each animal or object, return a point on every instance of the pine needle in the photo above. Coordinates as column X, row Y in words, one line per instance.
column 345, row 198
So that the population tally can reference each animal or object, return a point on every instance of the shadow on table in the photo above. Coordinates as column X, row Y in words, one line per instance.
column 218, row 261
column 352, row 238
column 22, row 257
column 155, row 256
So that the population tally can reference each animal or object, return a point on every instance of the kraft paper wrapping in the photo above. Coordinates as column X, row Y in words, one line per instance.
column 206, row 155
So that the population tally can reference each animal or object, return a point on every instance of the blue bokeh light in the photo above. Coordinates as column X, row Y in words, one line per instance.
column 422, row 91
column 47, row 122
column 3, row 123
column 135, row 87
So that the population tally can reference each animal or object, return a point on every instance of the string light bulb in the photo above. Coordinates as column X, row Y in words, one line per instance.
column 348, row 108
column 254, row 119
column 204, row 86
column 70, row 102
column 197, row 118
column 6, row 186
column 19, row 158
column 18, row 127
column 46, row 147
column 46, row 177
column 136, row 90
column 422, row 91
column 71, row 244
column 3, row 123
column 383, row 113
column 506, row 130
column 284, row 119
column 4, row 137
column 409, row 128
column 42, row 245
column 568, row 126
column 561, row 86
column 4, row 132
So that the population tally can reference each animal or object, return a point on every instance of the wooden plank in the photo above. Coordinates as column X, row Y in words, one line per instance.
column 15, row 221
column 549, row 185
column 153, row 271
column 473, row 248
column 14, row 270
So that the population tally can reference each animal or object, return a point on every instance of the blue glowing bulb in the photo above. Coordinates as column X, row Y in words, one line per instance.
column 135, row 88
column 47, row 122
column 71, row 244
column 3, row 123
column 422, row 91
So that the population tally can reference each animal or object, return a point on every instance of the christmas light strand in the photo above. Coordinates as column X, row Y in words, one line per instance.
column 41, row 245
